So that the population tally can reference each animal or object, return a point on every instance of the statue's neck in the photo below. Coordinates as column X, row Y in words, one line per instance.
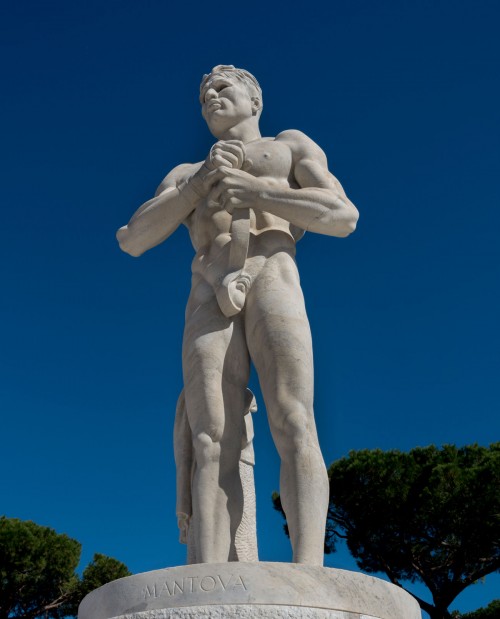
column 246, row 131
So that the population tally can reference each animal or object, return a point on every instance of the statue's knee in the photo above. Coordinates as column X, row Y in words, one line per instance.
column 296, row 431
column 206, row 448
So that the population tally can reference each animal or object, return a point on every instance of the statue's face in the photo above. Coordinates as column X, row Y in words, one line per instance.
column 225, row 103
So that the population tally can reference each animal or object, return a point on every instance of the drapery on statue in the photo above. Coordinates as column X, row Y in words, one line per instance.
column 246, row 206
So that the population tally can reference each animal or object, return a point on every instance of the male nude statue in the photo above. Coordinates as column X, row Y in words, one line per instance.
column 246, row 206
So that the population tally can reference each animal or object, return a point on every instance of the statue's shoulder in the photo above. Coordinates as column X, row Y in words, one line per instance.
column 300, row 144
column 176, row 176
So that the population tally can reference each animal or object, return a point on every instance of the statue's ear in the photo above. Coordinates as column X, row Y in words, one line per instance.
column 256, row 105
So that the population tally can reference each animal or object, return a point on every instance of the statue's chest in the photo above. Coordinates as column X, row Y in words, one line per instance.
column 269, row 158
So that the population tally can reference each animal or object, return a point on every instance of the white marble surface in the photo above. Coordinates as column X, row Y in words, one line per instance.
column 216, row 589
column 244, row 539
column 246, row 611
column 246, row 205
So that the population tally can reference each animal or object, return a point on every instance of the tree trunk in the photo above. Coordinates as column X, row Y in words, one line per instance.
column 439, row 613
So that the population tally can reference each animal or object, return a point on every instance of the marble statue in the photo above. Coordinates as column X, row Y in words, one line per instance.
column 244, row 540
column 246, row 206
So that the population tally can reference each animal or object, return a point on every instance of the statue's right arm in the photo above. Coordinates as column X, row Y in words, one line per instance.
column 176, row 198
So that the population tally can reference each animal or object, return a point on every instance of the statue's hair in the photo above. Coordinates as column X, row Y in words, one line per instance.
column 229, row 71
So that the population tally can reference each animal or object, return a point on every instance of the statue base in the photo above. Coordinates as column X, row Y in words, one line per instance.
column 249, row 590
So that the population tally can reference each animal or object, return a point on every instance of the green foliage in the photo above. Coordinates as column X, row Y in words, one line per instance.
column 431, row 515
column 37, row 568
column 101, row 570
column 492, row 611
column 37, row 571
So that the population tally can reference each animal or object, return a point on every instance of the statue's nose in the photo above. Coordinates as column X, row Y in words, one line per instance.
column 210, row 94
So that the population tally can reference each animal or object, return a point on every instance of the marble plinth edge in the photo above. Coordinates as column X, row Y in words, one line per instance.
column 245, row 590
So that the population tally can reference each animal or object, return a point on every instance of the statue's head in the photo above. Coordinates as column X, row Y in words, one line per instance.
column 228, row 96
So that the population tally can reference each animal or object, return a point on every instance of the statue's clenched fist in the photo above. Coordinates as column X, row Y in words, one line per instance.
column 223, row 154
column 229, row 153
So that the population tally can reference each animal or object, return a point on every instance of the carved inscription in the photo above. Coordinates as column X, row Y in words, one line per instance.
column 193, row 584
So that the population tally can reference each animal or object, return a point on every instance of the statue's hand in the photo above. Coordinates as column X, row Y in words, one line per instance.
column 228, row 153
column 238, row 189
column 225, row 153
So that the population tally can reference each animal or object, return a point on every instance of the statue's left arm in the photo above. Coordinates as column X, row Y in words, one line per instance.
column 319, row 204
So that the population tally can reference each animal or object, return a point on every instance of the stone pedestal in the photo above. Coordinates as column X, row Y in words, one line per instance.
column 249, row 590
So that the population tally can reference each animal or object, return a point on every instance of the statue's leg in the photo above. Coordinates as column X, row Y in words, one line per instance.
column 216, row 370
column 279, row 340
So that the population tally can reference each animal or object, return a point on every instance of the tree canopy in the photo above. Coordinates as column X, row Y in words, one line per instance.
column 431, row 515
column 492, row 611
column 37, row 571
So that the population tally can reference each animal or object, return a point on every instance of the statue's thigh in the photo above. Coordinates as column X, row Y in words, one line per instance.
column 215, row 367
column 279, row 340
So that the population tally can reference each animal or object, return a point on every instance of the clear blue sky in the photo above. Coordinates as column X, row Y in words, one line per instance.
column 100, row 101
